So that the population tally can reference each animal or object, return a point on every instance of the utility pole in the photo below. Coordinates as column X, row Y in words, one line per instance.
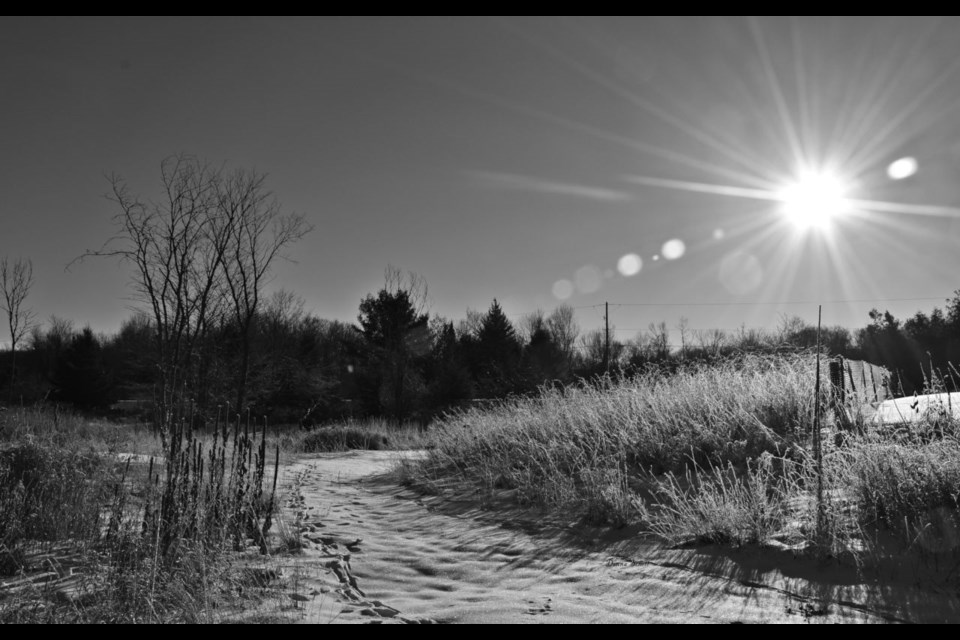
column 606, row 348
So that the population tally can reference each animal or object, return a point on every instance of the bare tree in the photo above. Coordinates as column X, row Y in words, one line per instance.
column 658, row 340
column 413, row 284
column 593, row 348
column 16, row 278
column 564, row 330
column 684, row 328
column 176, row 246
column 201, row 254
column 470, row 326
column 284, row 309
column 789, row 327
column 712, row 341
column 529, row 324
column 257, row 234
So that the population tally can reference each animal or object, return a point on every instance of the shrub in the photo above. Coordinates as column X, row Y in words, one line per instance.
column 342, row 439
column 49, row 493
column 150, row 544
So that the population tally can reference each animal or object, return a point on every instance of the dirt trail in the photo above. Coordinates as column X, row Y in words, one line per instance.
column 380, row 553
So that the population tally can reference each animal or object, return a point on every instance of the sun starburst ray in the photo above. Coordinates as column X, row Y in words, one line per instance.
column 888, row 77
column 688, row 128
column 789, row 129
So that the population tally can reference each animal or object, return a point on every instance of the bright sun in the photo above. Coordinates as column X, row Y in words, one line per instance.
column 814, row 200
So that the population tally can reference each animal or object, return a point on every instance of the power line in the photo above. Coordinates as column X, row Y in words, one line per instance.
column 604, row 315
column 780, row 302
column 524, row 313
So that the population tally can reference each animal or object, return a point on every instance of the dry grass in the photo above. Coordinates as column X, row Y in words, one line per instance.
column 372, row 434
column 579, row 447
column 723, row 504
column 718, row 454
column 86, row 537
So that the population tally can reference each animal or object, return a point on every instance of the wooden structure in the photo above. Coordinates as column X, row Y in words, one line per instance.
column 857, row 388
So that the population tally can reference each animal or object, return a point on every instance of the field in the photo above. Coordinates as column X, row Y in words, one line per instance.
column 638, row 481
column 716, row 455
column 97, row 525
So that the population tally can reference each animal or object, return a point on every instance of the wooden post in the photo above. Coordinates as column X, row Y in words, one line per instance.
column 863, row 377
column 836, row 380
column 817, row 445
column 838, row 396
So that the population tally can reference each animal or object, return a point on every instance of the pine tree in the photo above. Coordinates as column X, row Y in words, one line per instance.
column 497, row 357
column 81, row 377
column 397, row 337
column 449, row 382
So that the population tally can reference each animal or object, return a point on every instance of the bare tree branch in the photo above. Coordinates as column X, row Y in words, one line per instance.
column 16, row 279
column 201, row 255
column 176, row 247
column 256, row 233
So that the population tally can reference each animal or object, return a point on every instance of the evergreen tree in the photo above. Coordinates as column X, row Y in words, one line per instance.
column 81, row 377
column 883, row 342
column 449, row 383
column 496, row 354
column 543, row 359
column 397, row 338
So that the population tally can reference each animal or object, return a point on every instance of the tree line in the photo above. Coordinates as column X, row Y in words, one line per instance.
column 209, row 335
column 400, row 362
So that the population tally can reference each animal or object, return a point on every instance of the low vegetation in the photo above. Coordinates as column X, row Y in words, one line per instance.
column 714, row 454
column 89, row 535
column 371, row 435
column 699, row 454
column 555, row 448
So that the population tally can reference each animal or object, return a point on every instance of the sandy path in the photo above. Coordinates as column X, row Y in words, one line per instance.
column 434, row 558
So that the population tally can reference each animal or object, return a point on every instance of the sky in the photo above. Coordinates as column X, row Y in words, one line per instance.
column 648, row 163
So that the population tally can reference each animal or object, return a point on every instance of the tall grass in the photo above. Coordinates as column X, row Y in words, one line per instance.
column 153, row 540
column 54, row 426
column 906, row 493
column 215, row 497
column 716, row 454
column 723, row 504
column 577, row 447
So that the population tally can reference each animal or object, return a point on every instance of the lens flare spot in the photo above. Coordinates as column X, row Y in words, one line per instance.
column 718, row 234
column 673, row 249
column 630, row 264
column 740, row 273
column 562, row 289
column 588, row 279
column 902, row 168
column 655, row 257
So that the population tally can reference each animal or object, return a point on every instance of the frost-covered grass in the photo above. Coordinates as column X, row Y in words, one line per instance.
column 713, row 454
column 580, row 446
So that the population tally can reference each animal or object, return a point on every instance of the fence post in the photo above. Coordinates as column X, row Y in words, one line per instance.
column 817, row 443
column 838, row 396
column 863, row 378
